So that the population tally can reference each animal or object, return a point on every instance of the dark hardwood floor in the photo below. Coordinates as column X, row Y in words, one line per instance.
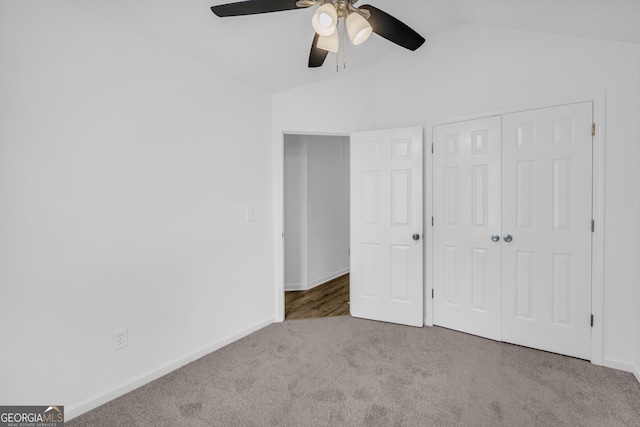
column 327, row 300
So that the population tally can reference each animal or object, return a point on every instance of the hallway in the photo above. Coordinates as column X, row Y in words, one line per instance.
column 327, row 300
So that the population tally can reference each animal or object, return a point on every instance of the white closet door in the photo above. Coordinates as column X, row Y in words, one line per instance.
column 386, row 280
column 547, row 212
column 467, row 201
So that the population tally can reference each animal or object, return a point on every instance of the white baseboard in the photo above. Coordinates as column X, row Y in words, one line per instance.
column 314, row 283
column 79, row 408
column 621, row 365
column 636, row 372
column 326, row 278
column 295, row 287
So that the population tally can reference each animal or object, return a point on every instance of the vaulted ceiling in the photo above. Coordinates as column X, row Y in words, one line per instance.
column 271, row 50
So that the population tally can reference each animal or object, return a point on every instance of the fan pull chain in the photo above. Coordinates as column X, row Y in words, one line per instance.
column 338, row 51
column 344, row 43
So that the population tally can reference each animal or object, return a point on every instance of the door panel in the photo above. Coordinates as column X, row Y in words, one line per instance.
column 467, row 180
column 547, row 209
column 532, row 181
column 386, row 211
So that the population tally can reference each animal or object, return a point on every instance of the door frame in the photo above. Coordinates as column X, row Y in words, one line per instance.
column 598, row 98
column 278, row 203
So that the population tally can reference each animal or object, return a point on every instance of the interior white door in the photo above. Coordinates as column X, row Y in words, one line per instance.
column 467, row 200
column 387, row 226
column 547, row 212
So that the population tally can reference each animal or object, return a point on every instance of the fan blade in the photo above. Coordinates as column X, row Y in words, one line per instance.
column 317, row 55
column 392, row 29
column 252, row 7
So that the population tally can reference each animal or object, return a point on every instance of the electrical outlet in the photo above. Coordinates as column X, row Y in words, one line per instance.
column 120, row 339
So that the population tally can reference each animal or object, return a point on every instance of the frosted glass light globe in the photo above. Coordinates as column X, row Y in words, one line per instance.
column 329, row 43
column 324, row 20
column 358, row 28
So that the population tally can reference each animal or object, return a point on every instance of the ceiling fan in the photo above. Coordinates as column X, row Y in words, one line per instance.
column 359, row 23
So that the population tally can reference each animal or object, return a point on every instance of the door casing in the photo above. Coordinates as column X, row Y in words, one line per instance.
column 278, row 204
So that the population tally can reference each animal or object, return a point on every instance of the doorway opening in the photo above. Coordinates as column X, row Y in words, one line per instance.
column 316, row 225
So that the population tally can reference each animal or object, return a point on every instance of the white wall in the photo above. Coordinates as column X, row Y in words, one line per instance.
column 125, row 174
column 316, row 209
column 338, row 105
column 295, row 213
column 471, row 70
column 328, row 208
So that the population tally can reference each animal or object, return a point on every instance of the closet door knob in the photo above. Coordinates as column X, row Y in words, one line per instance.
column 495, row 238
column 507, row 238
column 416, row 237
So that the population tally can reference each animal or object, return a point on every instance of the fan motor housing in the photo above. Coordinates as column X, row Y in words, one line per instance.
column 342, row 7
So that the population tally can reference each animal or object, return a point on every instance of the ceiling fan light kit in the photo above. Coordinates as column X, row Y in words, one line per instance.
column 359, row 23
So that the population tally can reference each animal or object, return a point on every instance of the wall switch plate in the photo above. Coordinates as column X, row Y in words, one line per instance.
column 120, row 339
column 251, row 215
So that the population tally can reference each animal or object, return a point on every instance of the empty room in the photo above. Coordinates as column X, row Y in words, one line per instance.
column 488, row 225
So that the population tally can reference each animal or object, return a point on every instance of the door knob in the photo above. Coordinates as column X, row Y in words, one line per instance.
column 507, row 238
column 495, row 238
column 416, row 236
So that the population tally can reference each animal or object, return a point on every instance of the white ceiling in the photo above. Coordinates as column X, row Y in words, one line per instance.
column 272, row 50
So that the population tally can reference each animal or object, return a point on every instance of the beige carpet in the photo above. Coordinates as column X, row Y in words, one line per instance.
column 343, row 371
